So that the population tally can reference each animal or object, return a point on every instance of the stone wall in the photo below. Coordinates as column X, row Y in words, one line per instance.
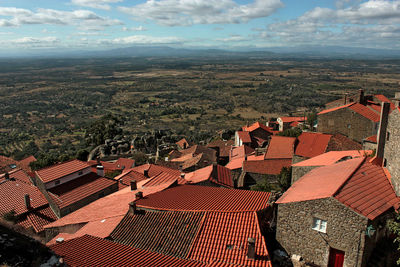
column 392, row 148
column 297, row 159
column 300, row 171
column 369, row 146
column 348, row 123
column 345, row 231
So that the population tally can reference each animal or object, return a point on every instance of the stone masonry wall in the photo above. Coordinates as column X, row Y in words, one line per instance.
column 300, row 171
column 346, row 122
column 392, row 148
column 345, row 231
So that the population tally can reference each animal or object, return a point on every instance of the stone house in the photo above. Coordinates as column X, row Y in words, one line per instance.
column 289, row 122
column 255, row 135
column 71, row 185
column 335, row 215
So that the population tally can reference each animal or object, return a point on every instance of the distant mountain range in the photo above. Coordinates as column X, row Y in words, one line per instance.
column 272, row 52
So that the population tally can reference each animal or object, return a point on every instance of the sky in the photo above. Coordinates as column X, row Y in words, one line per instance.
column 228, row 24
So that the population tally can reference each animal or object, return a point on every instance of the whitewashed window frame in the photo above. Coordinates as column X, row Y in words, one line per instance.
column 319, row 225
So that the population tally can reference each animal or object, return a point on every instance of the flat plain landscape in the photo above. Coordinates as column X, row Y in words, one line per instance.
column 53, row 101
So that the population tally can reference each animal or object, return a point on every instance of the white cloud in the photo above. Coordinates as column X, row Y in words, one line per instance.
column 233, row 38
column 100, row 4
column 367, row 24
column 32, row 42
column 82, row 18
column 189, row 12
column 135, row 29
column 144, row 39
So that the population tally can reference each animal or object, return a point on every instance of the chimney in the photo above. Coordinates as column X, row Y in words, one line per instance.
column 146, row 173
column 132, row 208
column 27, row 201
column 182, row 175
column 133, row 185
column 345, row 98
column 251, row 248
column 382, row 130
column 7, row 176
column 59, row 240
column 139, row 195
column 100, row 170
column 361, row 98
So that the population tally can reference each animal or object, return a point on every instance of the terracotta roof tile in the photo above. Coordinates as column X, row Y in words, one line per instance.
column 80, row 188
column 170, row 233
column 164, row 178
column 94, row 251
column 125, row 178
column 41, row 217
column 368, row 191
column 60, row 170
column 383, row 98
column 240, row 152
column 292, row 119
column 183, row 143
column 12, row 195
column 372, row 139
column 6, row 163
column 244, row 136
column 204, row 198
column 332, row 157
column 312, row 144
column 255, row 126
column 217, row 174
column 322, row 182
column 365, row 112
column 335, row 108
column 269, row 166
column 223, row 146
column 116, row 204
column 223, row 238
column 280, row 147
column 19, row 175
column 340, row 142
column 24, row 164
column 154, row 170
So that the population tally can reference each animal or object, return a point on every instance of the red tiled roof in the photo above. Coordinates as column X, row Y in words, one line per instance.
column 5, row 163
column 125, row 178
column 383, row 98
column 240, row 152
column 24, row 164
column 269, row 166
column 368, row 191
column 204, row 198
column 244, row 136
column 164, row 178
column 365, row 112
column 235, row 163
column 119, row 164
column 312, row 144
column 93, row 251
column 223, row 238
column 292, row 119
column 332, row 157
column 60, row 170
column 372, row 139
column 19, row 175
column 217, row 174
column 116, row 204
column 335, row 108
column 321, row 182
column 183, row 143
column 340, row 142
column 280, row 147
column 41, row 217
column 170, row 233
column 294, row 124
column 255, row 126
column 80, row 188
column 12, row 195
column 224, row 147
column 155, row 169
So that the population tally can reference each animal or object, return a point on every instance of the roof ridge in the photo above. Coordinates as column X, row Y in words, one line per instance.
column 59, row 163
column 348, row 178
column 178, row 210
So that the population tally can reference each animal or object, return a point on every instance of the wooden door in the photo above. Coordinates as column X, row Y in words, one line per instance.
column 336, row 258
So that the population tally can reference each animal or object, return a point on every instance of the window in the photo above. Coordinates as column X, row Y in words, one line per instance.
column 349, row 126
column 57, row 182
column 319, row 225
column 387, row 136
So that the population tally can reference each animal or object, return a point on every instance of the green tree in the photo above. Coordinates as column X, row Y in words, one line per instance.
column 107, row 127
column 285, row 178
column 394, row 226
column 312, row 118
